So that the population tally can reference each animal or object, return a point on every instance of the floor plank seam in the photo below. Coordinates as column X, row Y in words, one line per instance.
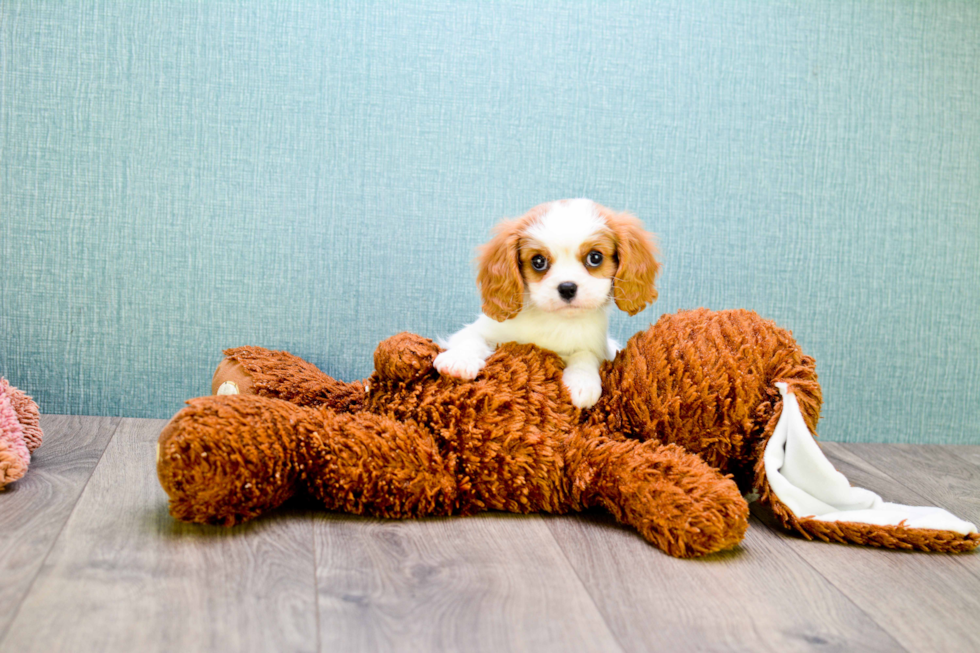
column 585, row 588
column 54, row 541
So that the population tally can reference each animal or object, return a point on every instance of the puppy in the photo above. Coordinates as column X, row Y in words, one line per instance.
column 549, row 278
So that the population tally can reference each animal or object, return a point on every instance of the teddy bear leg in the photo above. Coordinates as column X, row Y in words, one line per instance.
column 369, row 464
column 672, row 497
column 231, row 378
column 223, row 460
column 279, row 374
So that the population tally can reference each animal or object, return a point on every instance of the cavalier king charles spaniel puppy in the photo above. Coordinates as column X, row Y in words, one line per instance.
column 549, row 278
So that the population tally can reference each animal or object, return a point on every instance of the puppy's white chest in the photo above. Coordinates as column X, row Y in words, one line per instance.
column 564, row 335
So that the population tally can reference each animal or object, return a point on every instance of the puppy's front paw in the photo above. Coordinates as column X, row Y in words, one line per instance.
column 585, row 387
column 458, row 364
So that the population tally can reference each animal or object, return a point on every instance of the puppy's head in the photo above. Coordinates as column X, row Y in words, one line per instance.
column 568, row 256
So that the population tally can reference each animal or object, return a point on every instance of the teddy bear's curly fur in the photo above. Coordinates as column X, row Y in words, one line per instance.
column 678, row 434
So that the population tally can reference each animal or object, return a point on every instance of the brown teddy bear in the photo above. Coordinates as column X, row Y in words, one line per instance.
column 687, row 410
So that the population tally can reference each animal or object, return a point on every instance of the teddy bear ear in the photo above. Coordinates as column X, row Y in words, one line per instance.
column 499, row 273
column 633, row 287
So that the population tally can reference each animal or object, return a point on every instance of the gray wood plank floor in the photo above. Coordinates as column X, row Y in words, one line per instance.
column 91, row 561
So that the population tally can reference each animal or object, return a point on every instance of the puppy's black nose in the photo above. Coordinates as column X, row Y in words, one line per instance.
column 567, row 290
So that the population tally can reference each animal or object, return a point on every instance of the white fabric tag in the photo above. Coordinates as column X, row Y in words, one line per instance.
column 807, row 483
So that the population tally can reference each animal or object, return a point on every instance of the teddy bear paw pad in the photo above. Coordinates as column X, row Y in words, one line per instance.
column 228, row 388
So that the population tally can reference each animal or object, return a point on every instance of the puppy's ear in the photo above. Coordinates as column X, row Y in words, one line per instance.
column 633, row 287
column 499, row 274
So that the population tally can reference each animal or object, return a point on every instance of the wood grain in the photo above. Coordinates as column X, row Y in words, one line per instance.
column 761, row 596
column 34, row 509
column 928, row 602
column 492, row 582
column 124, row 576
column 969, row 453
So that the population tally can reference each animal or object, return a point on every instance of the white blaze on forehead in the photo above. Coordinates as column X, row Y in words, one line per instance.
column 562, row 229
column 567, row 225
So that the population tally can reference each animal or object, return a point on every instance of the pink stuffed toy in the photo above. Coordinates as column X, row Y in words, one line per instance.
column 20, row 432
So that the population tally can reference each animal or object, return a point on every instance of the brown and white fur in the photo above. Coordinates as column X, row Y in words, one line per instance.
column 549, row 278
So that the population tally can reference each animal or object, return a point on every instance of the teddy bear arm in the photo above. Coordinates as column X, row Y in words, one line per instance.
column 405, row 356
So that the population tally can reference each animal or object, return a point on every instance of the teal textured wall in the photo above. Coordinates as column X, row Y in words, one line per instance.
column 180, row 177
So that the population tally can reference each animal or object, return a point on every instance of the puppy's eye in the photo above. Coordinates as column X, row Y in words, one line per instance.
column 539, row 263
column 594, row 259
